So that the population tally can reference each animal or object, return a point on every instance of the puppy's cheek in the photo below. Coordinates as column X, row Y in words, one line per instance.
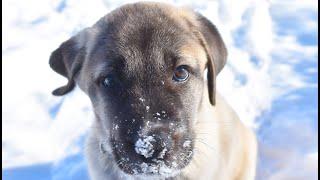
column 83, row 83
column 104, row 122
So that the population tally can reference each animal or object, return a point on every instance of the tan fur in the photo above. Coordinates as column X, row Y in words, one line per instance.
column 225, row 148
column 194, row 54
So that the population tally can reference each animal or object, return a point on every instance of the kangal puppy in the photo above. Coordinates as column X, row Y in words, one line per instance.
column 156, row 117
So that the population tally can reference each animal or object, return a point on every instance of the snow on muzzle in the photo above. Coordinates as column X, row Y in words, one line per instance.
column 154, row 146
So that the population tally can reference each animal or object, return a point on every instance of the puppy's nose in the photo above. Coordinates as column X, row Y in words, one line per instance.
column 153, row 147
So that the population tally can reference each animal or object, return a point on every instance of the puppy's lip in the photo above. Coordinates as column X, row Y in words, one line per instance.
column 158, row 168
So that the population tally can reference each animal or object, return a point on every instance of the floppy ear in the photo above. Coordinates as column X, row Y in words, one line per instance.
column 216, row 52
column 67, row 61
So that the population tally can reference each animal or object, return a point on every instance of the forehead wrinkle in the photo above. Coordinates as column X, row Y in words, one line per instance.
column 140, row 61
column 101, row 69
column 133, row 57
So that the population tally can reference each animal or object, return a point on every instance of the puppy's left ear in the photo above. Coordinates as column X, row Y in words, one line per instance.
column 67, row 61
column 216, row 52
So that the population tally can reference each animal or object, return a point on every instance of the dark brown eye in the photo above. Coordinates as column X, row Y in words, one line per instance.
column 180, row 74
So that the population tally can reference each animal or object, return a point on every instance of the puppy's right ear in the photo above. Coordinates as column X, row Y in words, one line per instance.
column 67, row 61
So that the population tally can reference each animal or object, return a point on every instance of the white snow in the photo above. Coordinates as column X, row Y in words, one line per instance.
column 165, row 170
column 162, row 153
column 141, row 99
column 160, row 167
column 144, row 167
column 187, row 143
column 144, row 146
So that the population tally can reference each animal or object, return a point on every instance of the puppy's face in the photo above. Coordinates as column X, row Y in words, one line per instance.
column 142, row 67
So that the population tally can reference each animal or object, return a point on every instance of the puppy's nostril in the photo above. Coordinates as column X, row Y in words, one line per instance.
column 153, row 146
column 145, row 146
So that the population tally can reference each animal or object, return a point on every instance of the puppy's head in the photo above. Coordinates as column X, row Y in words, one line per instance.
column 142, row 66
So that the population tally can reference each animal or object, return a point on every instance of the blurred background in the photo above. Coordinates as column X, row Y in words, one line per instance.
column 271, row 80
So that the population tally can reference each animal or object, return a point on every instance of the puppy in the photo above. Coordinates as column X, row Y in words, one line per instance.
column 156, row 116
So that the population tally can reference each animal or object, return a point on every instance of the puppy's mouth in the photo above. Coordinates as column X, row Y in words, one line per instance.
column 149, row 155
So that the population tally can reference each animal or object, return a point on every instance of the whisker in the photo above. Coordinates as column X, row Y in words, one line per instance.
column 201, row 140
column 205, row 122
column 199, row 151
column 212, row 148
column 119, row 161
column 203, row 132
column 184, row 161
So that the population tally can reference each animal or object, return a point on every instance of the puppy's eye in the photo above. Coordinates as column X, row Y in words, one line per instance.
column 180, row 74
column 108, row 81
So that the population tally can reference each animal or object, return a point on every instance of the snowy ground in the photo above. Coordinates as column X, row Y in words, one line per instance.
column 270, row 80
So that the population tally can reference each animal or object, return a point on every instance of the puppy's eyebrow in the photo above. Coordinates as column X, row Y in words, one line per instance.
column 102, row 70
column 186, row 59
column 194, row 55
